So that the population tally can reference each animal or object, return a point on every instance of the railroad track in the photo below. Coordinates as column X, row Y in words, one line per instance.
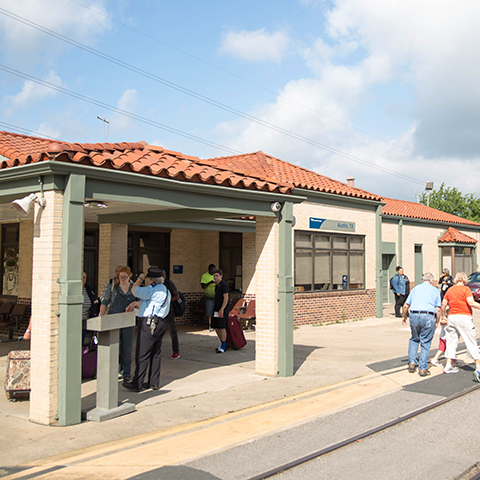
column 475, row 474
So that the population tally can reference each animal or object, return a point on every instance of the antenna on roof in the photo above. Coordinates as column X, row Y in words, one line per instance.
column 104, row 122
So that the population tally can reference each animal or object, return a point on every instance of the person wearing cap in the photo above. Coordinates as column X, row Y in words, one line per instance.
column 154, row 306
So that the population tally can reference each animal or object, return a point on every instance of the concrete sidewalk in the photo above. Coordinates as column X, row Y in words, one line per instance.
column 202, row 384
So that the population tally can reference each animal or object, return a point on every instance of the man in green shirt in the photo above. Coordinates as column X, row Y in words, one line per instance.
column 208, row 285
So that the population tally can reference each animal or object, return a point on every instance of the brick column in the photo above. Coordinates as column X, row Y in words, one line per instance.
column 47, row 247
column 112, row 250
column 248, row 267
column 25, row 255
column 266, row 295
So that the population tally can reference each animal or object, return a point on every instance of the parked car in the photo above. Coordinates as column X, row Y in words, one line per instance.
column 474, row 285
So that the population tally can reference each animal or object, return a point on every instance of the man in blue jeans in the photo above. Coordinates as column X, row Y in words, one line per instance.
column 424, row 302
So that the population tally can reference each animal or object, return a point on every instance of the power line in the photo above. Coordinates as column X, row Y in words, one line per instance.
column 171, row 129
column 117, row 110
column 239, row 77
column 25, row 130
column 201, row 97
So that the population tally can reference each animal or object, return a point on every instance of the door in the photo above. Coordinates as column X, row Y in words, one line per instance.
column 387, row 269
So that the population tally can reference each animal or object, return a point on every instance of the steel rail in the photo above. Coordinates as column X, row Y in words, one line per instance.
column 361, row 436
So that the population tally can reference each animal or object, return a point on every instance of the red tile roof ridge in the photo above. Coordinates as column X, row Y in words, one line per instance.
column 418, row 210
column 268, row 173
column 135, row 157
column 452, row 235
column 337, row 187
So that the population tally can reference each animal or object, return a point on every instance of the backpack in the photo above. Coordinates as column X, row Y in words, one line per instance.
column 390, row 283
column 180, row 305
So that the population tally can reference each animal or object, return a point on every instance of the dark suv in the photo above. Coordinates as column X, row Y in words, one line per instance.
column 474, row 285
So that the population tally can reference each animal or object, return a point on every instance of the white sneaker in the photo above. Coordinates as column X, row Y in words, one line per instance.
column 434, row 362
column 450, row 369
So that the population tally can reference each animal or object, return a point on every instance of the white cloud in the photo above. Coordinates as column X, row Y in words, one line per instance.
column 48, row 131
column 432, row 45
column 21, row 42
column 120, row 124
column 32, row 92
column 256, row 46
column 427, row 49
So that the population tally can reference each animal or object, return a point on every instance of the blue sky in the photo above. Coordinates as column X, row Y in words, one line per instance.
column 386, row 92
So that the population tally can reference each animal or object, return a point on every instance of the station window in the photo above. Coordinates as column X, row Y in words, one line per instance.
column 231, row 259
column 9, row 277
column 325, row 262
column 90, row 257
column 147, row 249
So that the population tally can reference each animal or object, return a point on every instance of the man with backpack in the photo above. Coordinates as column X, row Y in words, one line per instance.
column 170, row 318
column 400, row 284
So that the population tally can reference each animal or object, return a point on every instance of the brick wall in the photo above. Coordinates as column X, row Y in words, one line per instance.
column 266, row 289
column 47, row 250
column 248, row 267
column 328, row 307
column 185, row 248
column 112, row 250
column 25, row 257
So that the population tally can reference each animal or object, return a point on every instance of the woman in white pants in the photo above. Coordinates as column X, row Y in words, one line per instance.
column 460, row 302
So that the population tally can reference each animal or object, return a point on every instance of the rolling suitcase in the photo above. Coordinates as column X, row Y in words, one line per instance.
column 235, row 336
column 17, row 379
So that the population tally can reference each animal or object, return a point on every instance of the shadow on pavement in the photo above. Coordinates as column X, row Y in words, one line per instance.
column 175, row 473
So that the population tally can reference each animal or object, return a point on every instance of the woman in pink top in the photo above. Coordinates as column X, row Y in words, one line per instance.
column 460, row 302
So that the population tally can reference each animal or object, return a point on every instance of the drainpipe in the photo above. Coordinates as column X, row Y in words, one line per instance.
column 400, row 242
column 378, row 262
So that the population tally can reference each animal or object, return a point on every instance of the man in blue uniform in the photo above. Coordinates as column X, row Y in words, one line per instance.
column 154, row 307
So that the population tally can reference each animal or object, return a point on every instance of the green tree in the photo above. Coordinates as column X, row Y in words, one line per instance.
column 451, row 200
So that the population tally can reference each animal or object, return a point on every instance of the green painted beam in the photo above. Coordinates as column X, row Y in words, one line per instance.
column 285, row 291
column 378, row 263
column 163, row 216
column 418, row 222
column 70, row 304
column 400, row 241
column 212, row 225
column 13, row 187
column 104, row 181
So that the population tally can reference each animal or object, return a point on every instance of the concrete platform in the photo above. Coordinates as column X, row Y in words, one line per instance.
column 336, row 367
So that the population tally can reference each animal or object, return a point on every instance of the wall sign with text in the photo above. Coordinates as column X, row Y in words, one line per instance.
column 335, row 225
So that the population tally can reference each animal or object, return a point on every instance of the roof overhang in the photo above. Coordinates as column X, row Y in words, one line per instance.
column 156, row 200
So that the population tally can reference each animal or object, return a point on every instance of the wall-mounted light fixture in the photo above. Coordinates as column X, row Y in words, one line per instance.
column 23, row 205
column 95, row 205
column 276, row 206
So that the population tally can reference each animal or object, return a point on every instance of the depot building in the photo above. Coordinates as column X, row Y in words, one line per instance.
column 307, row 248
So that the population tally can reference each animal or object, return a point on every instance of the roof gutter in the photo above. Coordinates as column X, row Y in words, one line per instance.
column 430, row 222
column 62, row 168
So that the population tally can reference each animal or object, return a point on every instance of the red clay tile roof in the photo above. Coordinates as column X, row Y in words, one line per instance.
column 402, row 208
column 135, row 157
column 452, row 235
column 261, row 165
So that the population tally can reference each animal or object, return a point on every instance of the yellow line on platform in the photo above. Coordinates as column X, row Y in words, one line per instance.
column 125, row 458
